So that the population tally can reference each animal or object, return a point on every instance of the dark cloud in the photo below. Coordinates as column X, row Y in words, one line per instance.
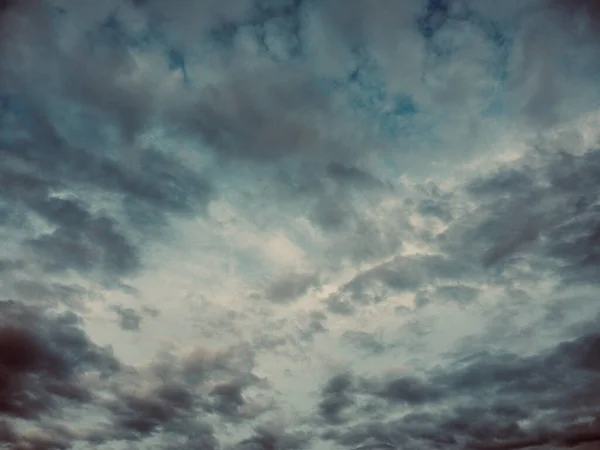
column 546, row 400
column 227, row 398
column 140, row 415
column 352, row 175
column 41, row 360
column 525, row 218
column 587, row 11
column 55, row 438
column 45, row 358
column 173, row 397
column 97, row 247
column 337, row 395
column 555, row 391
column 129, row 318
column 539, row 213
column 409, row 390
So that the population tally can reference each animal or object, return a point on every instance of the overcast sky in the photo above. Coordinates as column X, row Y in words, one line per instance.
column 299, row 224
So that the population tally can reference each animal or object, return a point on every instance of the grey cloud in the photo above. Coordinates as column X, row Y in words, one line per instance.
column 177, row 397
column 46, row 293
column 341, row 392
column 234, row 362
column 337, row 396
column 537, row 70
column 157, row 181
column 525, row 218
column 185, row 22
column 279, row 114
column 378, row 27
column 41, row 358
column 515, row 181
column 363, row 341
column 85, row 240
column 340, row 305
column 291, row 286
column 95, row 79
column 312, row 324
column 518, row 219
column 196, row 435
column 8, row 434
column 228, row 400
column 365, row 240
column 333, row 213
column 436, row 209
column 53, row 438
column 410, row 390
column 268, row 437
column 44, row 359
column 352, row 175
column 139, row 415
column 129, row 318
column 81, row 193
column 459, row 294
column 553, row 390
column 403, row 274
column 98, row 246
column 47, row 152
column 335, row 208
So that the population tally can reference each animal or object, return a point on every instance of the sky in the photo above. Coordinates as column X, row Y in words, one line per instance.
column 299, row 224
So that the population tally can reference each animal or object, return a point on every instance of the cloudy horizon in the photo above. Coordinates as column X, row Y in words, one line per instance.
column 299, row 224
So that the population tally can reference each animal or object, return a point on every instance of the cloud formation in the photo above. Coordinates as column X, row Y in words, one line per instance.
column 297, row 224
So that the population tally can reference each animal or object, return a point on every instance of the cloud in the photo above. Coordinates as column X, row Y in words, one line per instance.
column 45, row 358
column 280, row 115
column 551, row 390
column 42, row 359
column 563, row 234
column 51, row 170
column 175, row 396
column 363, row 341
column 291, row 286
column 364, row 224
column 404, row 274
column 270, row 436
column 129, row 319
column 142, row 414
column 408, row 390
column 336, row 397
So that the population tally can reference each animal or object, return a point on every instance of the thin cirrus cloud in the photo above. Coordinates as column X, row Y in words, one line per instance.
column 299, row 224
